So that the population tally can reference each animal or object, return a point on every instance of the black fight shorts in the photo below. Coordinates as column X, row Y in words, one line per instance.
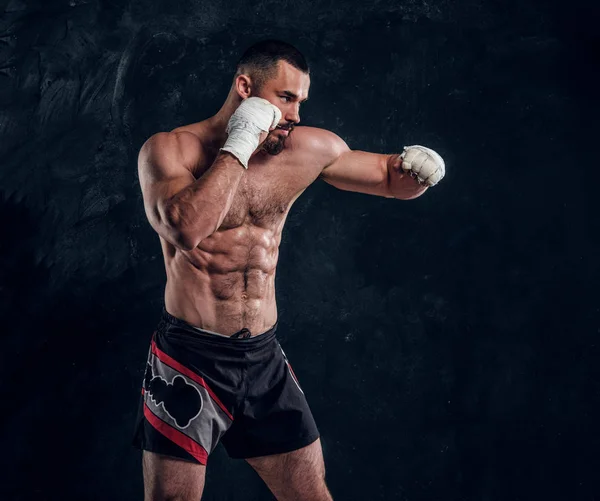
column 200, row 388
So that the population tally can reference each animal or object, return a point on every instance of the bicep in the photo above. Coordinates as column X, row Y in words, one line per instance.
column 162, row 172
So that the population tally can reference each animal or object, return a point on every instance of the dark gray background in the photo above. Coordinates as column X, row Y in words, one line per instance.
column 448, row 345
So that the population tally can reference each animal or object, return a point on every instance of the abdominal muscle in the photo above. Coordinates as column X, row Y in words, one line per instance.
column 227, row 282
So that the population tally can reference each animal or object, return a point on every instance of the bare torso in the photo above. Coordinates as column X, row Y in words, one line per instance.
column 228, row 281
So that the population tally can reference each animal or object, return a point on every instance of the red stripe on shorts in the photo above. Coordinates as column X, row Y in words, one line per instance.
column 292, row 373
column 175, row 436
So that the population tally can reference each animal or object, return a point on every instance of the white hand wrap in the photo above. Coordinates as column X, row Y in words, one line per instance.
column 253, row 116
column 423, row 163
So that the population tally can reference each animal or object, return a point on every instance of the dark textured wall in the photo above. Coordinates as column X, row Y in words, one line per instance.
column 448, row 345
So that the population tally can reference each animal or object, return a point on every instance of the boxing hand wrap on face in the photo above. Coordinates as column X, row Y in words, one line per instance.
column 423, row 164
column 253, row 116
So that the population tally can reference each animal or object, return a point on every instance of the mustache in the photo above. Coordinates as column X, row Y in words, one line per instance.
column 288, row 127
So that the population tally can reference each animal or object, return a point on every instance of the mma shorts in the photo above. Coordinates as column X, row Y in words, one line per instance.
column 201, row 388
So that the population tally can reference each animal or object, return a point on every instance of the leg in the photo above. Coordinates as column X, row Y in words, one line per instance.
column 294, row 476
column 171, row 479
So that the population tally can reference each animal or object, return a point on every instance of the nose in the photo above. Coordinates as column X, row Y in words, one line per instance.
column 293, row 115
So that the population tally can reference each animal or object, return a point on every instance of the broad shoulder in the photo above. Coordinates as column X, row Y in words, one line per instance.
column 322, row 145
column 195, row 146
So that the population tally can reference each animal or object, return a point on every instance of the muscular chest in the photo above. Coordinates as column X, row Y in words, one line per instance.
column 266, row 192
column 261, row 201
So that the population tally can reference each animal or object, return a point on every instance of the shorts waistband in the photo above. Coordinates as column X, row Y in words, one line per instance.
column 239, row 339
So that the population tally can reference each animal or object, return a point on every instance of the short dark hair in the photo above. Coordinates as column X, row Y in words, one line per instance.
column 260, row 60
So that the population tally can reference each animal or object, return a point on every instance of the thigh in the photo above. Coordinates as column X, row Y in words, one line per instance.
column 294, row 476
column 169, row 478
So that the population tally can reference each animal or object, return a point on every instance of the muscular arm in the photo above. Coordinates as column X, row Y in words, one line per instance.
column 364, row 172
column 182, row 209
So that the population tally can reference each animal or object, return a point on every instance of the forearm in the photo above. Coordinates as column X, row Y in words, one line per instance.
column 198, row 210
column 401, row 184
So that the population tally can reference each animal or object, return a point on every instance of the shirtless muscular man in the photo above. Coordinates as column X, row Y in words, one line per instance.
column 218, row 192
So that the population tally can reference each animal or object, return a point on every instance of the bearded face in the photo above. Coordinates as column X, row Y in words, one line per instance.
column 275, row 141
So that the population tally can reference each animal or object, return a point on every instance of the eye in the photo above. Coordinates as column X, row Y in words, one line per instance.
column 286, row 97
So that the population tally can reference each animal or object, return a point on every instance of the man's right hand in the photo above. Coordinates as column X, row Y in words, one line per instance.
column 249, row 126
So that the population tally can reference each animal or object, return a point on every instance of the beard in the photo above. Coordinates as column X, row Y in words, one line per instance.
column 274, row 143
